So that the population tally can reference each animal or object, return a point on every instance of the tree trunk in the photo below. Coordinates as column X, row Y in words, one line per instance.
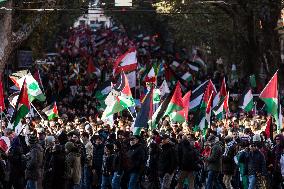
column 6, row 45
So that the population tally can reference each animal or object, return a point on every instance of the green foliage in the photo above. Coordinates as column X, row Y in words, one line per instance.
column 53, row 24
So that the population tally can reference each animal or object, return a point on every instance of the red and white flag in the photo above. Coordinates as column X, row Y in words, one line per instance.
column 126, row 62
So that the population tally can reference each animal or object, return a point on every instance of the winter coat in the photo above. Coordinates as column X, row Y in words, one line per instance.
column 98, row 152
column 254, row 162
column 167, row 160
column 34, row 162
column 136, row 158
column 228, row 165
column 118, row 162
column 89, row 154
column 58, row 167
column 188, row 156
column 17, row 161
column 107, row 168
column 215, row 158
column 73, row 167
column 48, row 173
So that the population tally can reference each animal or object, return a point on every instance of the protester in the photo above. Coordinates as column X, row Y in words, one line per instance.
column 73, row 166
column 34, row 166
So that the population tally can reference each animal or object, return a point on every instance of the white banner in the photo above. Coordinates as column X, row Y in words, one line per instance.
column 123, row 3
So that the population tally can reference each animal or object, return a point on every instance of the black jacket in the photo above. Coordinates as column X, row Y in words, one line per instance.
column 98, row 157
column 254, row 162
column 167, row 159
column 118, row 159
column 188, row 156
column 136, row 158
column 107, row 167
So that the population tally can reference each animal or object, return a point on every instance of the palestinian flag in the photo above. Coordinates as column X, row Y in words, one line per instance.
column 146, row 111
column 22, row 107
column 169, row 75
column 196, row 59
column 196, row 96
column 206, row 106
column 119, row 98
column 208, row 112
column 175, row 65
column 270, row 97
column 182, row 115
column 38, row 78
column 176, row 101
column 221, row 94
column 126, row 62
column 246, row 101
column 193, row 66
column 159, row 113
column 51, row 111
column 34, row 90
column 221, row 108
column 103, row 90
column 187, row 77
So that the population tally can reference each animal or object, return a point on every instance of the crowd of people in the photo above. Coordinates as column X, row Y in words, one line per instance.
column 79, row 150
column 91, row 154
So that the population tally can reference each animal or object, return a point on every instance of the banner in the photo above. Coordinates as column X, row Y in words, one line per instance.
column 123, row 3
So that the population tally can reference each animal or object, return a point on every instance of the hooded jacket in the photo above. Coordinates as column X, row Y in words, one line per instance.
column 34, row 162
column 73, row 167
column 215, row 158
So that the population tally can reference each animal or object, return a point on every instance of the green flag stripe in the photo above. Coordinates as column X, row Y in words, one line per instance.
column 21, row 113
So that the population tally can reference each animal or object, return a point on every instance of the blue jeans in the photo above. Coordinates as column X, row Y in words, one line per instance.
column 31, row 184
column 252, row 181
column 115, row 183
column 86, row 178
column 212, row 180
column 133, row 181
column 106, row 182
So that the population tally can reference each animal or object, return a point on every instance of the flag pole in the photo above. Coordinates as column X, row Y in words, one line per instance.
column 36, row 111
column 131, row 114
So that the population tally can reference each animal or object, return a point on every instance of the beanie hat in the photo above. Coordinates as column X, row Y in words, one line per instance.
column 69, row 146
column 33, row 139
